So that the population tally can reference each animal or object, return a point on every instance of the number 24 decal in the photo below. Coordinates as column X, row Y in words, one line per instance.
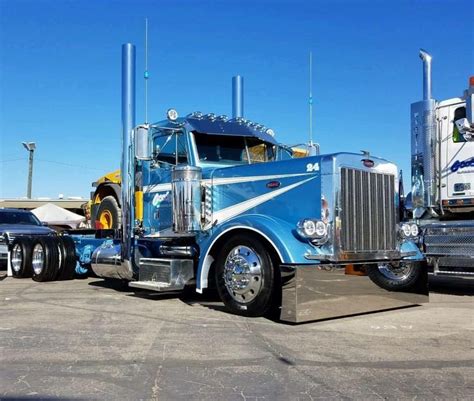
column 310, row 167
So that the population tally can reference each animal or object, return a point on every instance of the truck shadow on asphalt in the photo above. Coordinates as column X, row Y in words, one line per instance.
column 210, row 298
column 188, row 295
column 451, row 285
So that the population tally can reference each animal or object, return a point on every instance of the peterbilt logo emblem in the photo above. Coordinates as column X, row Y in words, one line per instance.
column 273, row 184
column 458, row 165
column 368, row 163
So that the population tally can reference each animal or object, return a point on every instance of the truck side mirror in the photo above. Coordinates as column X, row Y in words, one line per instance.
column 142, row 142
column 470, row 102
column 470, row 108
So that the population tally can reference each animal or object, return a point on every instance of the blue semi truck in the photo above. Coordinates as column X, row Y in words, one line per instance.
column 209, row 201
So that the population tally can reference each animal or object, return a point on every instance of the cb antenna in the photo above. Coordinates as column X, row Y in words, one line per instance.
column 313, row 148
column 145, row 74
column 310, row 98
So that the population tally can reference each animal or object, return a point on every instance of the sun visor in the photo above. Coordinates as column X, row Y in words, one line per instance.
column 229, row 127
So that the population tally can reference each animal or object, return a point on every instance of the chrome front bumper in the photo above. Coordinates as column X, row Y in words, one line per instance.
column 315, row 292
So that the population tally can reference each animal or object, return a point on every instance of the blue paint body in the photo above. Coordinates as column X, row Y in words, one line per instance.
column 284, row 192
column 85, row 246
column 265, row 199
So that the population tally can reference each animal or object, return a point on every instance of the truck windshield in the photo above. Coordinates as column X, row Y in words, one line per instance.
column 10, row 217
column 233, row 149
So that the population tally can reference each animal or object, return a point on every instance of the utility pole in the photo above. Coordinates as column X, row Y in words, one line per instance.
column 30, row 147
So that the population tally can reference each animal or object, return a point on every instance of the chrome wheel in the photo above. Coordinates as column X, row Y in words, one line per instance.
column 38, row 259
column 397, row 273
column 17, row 258
column 243, row 274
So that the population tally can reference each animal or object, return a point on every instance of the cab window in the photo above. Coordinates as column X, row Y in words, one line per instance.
column 459, row 113
column 170, row 149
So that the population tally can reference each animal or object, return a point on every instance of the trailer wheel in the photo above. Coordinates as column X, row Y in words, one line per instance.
column 245, row 276
column 20, row 257
column 108, row 214
column 67, row 258
column 405, row 276
column 45, row 259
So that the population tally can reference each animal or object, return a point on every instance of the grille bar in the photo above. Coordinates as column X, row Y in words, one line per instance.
column 368, row 211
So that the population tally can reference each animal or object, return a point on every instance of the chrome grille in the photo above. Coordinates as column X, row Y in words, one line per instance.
column 368, row 216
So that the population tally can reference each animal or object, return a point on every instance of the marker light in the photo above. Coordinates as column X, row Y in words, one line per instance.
column 270, row 132
column 197, row 115
column 172, row 114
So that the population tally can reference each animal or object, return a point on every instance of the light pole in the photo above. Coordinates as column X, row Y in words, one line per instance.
column 30, row 147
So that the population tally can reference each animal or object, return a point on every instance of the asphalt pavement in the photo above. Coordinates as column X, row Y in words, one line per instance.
column 91, row 339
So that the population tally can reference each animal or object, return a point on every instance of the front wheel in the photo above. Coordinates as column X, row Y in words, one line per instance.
column 245, row 276
column 405, row 276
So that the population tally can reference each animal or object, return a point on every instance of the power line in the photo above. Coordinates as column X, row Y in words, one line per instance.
column 69, row 164
column 12, row 160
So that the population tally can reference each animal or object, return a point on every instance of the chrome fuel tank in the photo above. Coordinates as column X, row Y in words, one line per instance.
column 106, row 262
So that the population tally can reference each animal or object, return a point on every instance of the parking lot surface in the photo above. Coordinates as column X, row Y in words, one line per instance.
column 91, row 339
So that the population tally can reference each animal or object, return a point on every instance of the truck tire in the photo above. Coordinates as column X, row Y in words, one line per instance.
column 245, row 276
column 20, row 257
column 109, row 215
column 45, row 259
column 67, row 258
column 405, row 277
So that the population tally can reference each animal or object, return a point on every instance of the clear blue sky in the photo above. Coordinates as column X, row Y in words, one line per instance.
column 60, row 74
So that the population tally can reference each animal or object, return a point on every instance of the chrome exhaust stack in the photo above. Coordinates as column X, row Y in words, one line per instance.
column 237, row 96
column 128, row 155
column 113, row 259
column 423, row 145
column 426, row 58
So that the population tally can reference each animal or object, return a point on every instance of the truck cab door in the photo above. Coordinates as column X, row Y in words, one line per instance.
column 458, row 172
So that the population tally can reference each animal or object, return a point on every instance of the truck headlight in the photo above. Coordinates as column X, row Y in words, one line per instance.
column 312, row 229
column 409, row 230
